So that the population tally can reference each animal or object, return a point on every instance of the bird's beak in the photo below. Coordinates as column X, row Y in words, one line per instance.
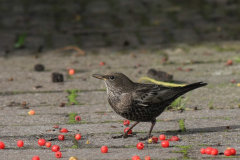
column 99, row 76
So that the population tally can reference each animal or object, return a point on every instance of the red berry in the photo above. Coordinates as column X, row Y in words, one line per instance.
column 233, row 81
column 174, row 138
column 227, row 152
column 126, row 122
column 147, row 158
column 71, row 71
column 78, row 118
column 135, row 158
column 20, row 143
column 55, row 126
column 208, row 150
column 55, row 148
column 154, row 139
column 78, row 136
column 58, row 154
column 233, row 151
column 2, row 145
column 162, row 137
column 41, row 142
column 140, row 146
column 214, row 151
column 165, row 143
column 35, row 158
column 48, row 144
column 104, row 149
column 61, row 137
column 229, row 63
column 102, row 63
column 203, row 151
column 125, row 130
column 63, row 130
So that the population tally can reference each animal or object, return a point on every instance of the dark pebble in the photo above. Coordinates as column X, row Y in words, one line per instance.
column 57, row 77
column 39, row 67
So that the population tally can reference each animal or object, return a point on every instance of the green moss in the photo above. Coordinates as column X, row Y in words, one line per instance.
column 72, row 118
column 182, row 125
column 184, row 151
column 74, row 146
column 72, row 96
column 203, row 145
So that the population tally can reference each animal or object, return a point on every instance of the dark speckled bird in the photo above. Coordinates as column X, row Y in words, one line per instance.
column 140, row 102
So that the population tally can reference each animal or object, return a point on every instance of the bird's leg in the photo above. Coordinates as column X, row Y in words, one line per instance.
column 125, row 135
column 150, row 131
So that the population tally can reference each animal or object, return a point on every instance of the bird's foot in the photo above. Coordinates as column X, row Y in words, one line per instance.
column 123, row 136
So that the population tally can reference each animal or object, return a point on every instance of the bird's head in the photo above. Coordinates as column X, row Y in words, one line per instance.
column 116, row 82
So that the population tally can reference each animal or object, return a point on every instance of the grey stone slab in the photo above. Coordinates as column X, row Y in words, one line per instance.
column 26, row 119
column 39, row 127
column 95, row 97
column 35, row 99
column 92, row 153
column 212, row 124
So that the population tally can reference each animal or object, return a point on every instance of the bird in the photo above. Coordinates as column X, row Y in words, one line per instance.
column 140, row 102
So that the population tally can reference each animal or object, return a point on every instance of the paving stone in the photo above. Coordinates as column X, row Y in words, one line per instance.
column 217, row 127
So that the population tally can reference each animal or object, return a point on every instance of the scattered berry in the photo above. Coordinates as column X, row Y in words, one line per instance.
column 147, row 158
column 227, row 152
column 214, row 151
column 62, row 104
column 203, row 151
column 78, row 118
column 35, row 158
column 61, row 137
column 135, row 158
column 102, row 63
column 58, row 154
column 229, row 63
column 55, row 148
column 39, row 67
column 63, row 130
column 71, row 71
column 165, row 144
column 140, row 146
column 154, row 139
column 233, row 151
column 104, row 149
column 48, row 144
column 129, row 132
column 150, row 140
column 208, row 150
column 32, row 112
column 126, row 122
column 2, row 145
column 174, row 138
column 41, row 142
column 233, row 81
column 20, row 143
column 78, row 136
column 55, row 126
column 162, row 137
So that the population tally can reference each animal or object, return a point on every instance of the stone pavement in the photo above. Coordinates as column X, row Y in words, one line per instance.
column 215, row 123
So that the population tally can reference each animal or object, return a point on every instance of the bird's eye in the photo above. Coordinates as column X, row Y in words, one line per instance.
column 111, row 77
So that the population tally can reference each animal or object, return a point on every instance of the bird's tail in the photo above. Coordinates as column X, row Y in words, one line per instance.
column 187, row 88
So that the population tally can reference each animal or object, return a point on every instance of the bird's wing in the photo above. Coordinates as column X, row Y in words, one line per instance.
column 146, row 94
